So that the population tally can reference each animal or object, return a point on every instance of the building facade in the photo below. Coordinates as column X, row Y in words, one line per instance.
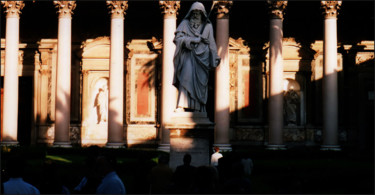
column 100, row 73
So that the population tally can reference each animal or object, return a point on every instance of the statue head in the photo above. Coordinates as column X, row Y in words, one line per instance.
column 195, row 9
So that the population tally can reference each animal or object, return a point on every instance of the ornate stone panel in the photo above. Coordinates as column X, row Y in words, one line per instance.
column 142, row 100
column 95, row 76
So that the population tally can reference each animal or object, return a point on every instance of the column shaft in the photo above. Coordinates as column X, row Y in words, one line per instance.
column 330, row 98
column 275, row 102
column 63, row 77
column 169, row 92
column 116, row 84
column 222, row 90
column 10, row 110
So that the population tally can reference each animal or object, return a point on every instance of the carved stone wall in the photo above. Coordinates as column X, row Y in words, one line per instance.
column 141, row 91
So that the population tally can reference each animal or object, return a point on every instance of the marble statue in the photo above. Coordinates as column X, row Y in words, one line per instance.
column 291, row 99
column 195, row 55
column 101, row 105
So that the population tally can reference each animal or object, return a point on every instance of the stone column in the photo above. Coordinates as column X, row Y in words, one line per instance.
column 222, row 89
column 276, row 69
column 168, row 91
column 116, row 75
column 63, row 73
column 10, row 110
column 330, row 97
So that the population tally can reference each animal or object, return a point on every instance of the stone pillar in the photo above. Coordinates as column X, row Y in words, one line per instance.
column 330, row 96
column 116, row 75
column 10, row 110
column 168, row 91
column 222, row 88
column 276, row 69
column 63, row 73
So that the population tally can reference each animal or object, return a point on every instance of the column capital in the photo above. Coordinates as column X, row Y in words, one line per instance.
column 65, row 8
column 222, row 8
column 276, row 8
column 330, row 8
column 169, row 8
column 117, row 8
column 13, row 8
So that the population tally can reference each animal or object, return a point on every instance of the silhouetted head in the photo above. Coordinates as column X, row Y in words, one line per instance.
column 163, row 159
column 15, row 166
column 104, row 165
column 217, row 149
column 187, row 159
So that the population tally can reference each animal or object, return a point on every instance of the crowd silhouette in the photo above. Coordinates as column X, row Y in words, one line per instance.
column 100, row 176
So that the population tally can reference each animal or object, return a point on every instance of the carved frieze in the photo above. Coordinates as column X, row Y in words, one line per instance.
column 330, row 8
column 169, row 8
column 13, row 8
column 117, row 8
column 276, row 8
column 65, row 8
column 222, row 8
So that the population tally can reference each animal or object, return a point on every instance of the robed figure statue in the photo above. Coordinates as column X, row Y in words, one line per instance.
column 195, row 55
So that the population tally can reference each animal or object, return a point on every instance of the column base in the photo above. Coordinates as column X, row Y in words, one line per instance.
column 9, row 143
column 62, row 144
column 164, row 148
column 330, row 148
column 275, row 147
column 115, row 145
column 224, row 147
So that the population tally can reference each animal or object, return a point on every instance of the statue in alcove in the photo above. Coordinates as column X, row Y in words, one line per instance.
column 291, row 102
column 101, row 105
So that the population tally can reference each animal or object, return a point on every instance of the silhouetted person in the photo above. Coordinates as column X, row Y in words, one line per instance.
column 205, row 180
column 51, row 180
column 161, row 176
column 143, row 169
column 238, row 183
column 184, row 175
column 15, row 184
column 111, row 182
column 91, row 179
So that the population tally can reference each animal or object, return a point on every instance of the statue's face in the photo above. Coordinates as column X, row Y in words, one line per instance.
column 196, row 15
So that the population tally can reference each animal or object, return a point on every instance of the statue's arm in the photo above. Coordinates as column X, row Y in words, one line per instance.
column 186, row 41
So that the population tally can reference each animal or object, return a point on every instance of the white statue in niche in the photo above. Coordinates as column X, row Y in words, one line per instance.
column 291, row 99
column 101, row 104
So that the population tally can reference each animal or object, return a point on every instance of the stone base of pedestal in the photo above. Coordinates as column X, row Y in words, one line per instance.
column 275, row 147
column 224, row 147
column 115, row 145
column 9, row 143
column 330, row 148
column 190, row 132
column 164, row 147
column 62, row 144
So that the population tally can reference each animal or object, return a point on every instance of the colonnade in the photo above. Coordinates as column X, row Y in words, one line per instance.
column 116, row 73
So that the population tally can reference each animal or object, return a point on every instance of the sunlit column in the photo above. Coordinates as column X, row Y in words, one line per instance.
column 63, row 72
column 276, row 69
column 10, row 110
column 330, row 98
column 222, row 89
column 116, row 75
column 168, row 91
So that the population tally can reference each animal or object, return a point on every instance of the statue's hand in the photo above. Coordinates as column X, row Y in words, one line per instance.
column 217, row 61
column 196, row 40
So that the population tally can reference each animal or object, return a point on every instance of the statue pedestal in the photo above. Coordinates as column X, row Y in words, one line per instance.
column 190, row 132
